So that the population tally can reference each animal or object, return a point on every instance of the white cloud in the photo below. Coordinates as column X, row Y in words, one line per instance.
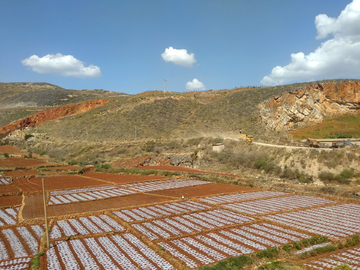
column 337, row 57
column 62, row 65
column 179, row 57
column 195, row 84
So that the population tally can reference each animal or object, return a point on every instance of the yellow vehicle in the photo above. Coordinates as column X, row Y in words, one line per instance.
column 246, row 137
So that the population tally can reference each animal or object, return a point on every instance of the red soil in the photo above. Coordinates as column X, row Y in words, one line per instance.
column 8, row 189
column 34, row 206
column 21, row 173
column 20, row 162
column 202, row 190
column 34, row 185
column 10, row 200
column 11, row 150
column 46, row 116
column 120, row 178
column 101, row 205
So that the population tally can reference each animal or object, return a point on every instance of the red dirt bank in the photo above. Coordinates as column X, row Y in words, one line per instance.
column 49, row 115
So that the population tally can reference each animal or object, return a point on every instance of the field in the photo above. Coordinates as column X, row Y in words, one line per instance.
column 113, row 221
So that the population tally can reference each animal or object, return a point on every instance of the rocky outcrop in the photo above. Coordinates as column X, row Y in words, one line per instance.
column 49, row 115
column 310, row 105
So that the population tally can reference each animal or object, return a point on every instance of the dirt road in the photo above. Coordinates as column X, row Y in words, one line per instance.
column 293, row 147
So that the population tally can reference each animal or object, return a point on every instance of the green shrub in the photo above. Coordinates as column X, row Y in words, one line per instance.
column 321, row 250
column 269, row 253
column 287, row 248
column 343, row 266
column 27, row 136
column 272, row 266
column 72, row 162
column 6, row 155
column 343, row 177
column 105, row 166
column 326, row 176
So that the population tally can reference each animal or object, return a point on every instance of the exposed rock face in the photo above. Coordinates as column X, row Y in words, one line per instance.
column 310, row 105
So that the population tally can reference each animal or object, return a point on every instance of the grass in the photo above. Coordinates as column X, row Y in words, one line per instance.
column 345, row 126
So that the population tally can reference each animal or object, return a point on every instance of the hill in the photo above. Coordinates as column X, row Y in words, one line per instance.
column 18, row 100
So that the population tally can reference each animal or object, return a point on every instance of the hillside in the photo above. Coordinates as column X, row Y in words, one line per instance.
column 18, row 100
column 182, row 127
column 14, row 95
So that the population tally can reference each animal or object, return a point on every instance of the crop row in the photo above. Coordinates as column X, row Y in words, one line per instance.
column 89, row 196
column 216, row 246
column 149, row 212
column 16, row 264
column 16, row 238
column 115, row 252
column 334, row 221
column 79, row 190
column 351, row 257
column 4, row 180
column 84, row 226
column 145, row 187
column 242, row 196
column 277, row 204
column 179, row 225
column 8, row 216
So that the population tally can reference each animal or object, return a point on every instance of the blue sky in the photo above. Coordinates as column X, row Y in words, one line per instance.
column 131, row 46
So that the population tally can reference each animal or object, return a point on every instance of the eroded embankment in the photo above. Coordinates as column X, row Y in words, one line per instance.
column 52, row 114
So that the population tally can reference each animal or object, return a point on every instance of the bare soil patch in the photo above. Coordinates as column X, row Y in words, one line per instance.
column 34, row 206
column 8, row 190
column 21, row 173
column 34, row 185
column 11, row 150
column 10, row 200
column 101, row 205
column 203, row 190
column 121, row 179
column 20, row 162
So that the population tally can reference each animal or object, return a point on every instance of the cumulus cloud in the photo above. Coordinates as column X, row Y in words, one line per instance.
column 62, row 65
column 179, row 57
column 337, row 57
column 195, row 84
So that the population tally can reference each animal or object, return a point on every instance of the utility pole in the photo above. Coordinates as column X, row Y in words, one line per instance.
column 165, row 82
column 46, row 221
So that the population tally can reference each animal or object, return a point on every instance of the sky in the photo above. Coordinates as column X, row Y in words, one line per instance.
column 133, row 46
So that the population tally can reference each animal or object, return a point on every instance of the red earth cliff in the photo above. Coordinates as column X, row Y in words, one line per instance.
column 310, row 105
column 49, row 115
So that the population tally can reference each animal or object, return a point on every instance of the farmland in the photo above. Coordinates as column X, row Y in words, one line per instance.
column 119, row 221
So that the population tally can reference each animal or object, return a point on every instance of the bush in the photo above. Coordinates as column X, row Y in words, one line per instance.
column 343, row 177
column 105, row 166
column 6, row 155
column 269, row 253
column 272, row 266
column 326, row 176
column 343, row 266
column 27, row 136
column 149, row 146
